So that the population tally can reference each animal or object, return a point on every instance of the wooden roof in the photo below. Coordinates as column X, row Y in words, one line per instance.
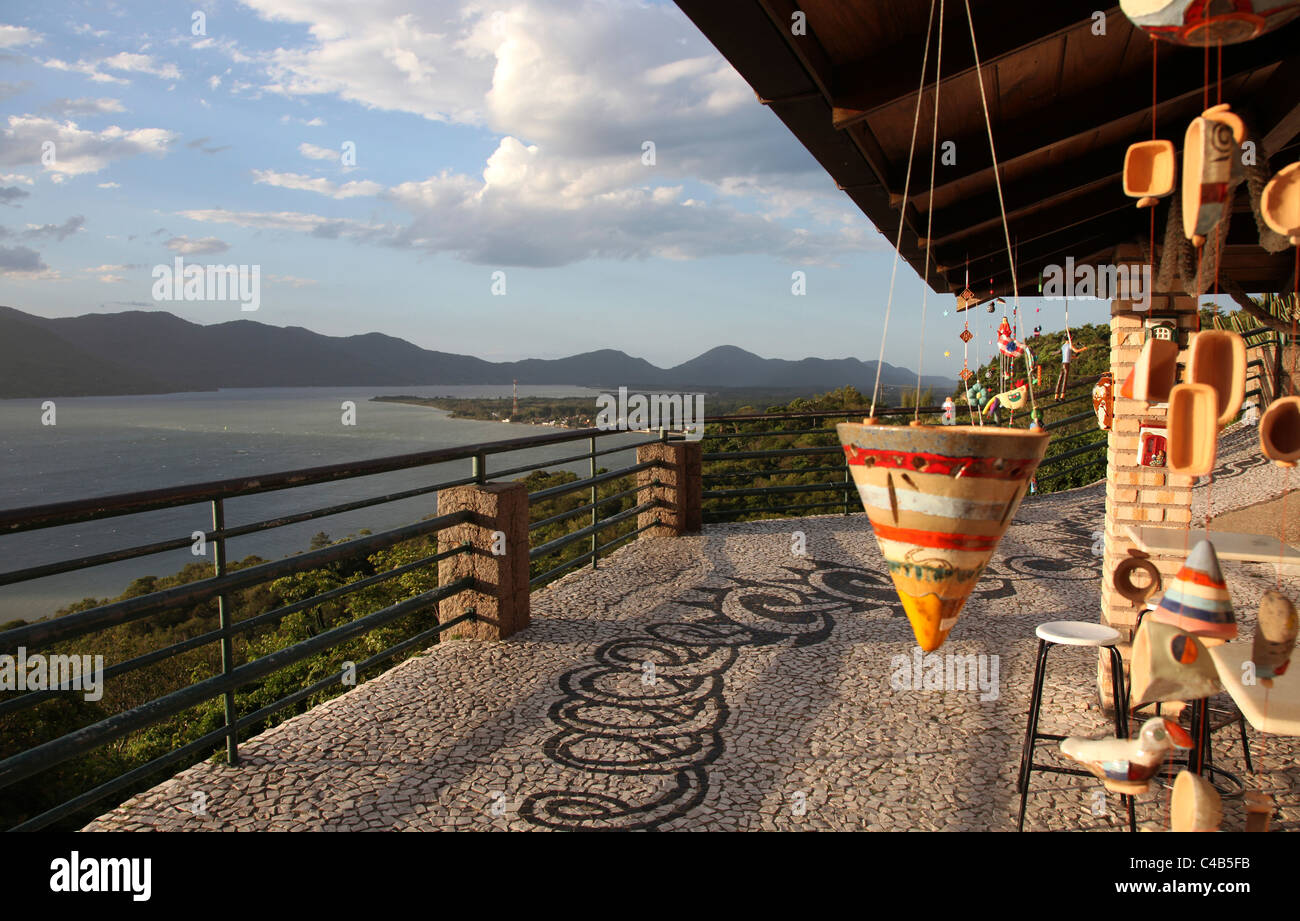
column 1065, row 104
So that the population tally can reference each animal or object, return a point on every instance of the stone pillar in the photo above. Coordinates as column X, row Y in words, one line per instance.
column 500, row 595
column 681, row 487
column 1137, row 495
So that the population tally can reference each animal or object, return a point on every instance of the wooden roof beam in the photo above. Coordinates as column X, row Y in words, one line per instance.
column 863, row 86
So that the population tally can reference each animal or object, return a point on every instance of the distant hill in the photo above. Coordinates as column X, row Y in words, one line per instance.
column 156, row 352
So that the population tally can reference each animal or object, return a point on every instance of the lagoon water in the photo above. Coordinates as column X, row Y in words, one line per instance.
column 105, row 445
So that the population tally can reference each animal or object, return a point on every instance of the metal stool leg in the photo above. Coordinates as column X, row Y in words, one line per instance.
column 1031, row 730
column 1120, row 703
column 1245, row 745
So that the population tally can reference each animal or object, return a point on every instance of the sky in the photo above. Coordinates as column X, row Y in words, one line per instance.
column 382, row 163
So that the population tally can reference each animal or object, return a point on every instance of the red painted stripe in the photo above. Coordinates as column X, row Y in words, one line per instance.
column 923, row 462
column 937, row 540
column 1199, row 578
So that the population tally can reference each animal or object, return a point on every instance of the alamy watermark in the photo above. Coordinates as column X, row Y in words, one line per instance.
column 1102, row 282
column 949, row 672
column 181, row 282
column 52, row 673
column 637, row 412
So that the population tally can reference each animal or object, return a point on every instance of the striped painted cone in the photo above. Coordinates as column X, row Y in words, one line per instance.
column 1197, row 600
column 939, row 499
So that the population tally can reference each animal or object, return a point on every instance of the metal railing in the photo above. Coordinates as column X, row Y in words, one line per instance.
column 211, row 602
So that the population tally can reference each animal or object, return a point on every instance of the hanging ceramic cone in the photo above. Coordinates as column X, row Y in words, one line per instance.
column 1195, row 804
column 1280, row 203
column 1192, row 424
column 1219, row 359
column 1149, row 171
column 1279, row 432
column 1275, row 636
column 1212, row 167
column 939, row 500
column 1197, row 600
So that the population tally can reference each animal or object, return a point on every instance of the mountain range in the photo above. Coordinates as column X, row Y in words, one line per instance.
column 156, row 352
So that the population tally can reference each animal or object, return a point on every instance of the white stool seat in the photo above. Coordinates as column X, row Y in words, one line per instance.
column 1077, row 633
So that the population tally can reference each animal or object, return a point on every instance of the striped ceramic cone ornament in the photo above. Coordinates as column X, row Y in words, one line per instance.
column 939, row 500
column 1197, row 600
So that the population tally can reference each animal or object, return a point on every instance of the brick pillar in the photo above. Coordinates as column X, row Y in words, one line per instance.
column 681, row 487
column 500, row 595
column 1137, row 495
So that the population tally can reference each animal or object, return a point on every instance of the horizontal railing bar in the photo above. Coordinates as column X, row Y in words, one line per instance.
column 774, row 490
column 1053, row 474
column 587, row 507
column 586, row 455
column 775, row 471
column 544, row 550
column 25, row 764
column 769, row 434
column 551, row 574
column 775, row 452
column 243, row 626
column 715, row 513
column 120, row 612
column 1069, row 420
column 95, row 507
column 564, row 488
column 1073, row 452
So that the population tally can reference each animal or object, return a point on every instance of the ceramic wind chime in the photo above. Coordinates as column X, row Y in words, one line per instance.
column 1194, row 804
column 1279, row 426
column 1275, row 637
column 1197, row 600
column 1126, row 766
column 1169, row 664
column 1150, row 168
column 1206, row 23
column 1212, row 169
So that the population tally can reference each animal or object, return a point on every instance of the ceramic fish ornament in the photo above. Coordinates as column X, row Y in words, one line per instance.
column 1169, row 664
column 1275, row 636
column 1197, row 600
column 939, row 499
column 1203, row 23
column 1126, row 766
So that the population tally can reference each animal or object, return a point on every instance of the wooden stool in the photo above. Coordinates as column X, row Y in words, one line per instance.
column 1070, row 633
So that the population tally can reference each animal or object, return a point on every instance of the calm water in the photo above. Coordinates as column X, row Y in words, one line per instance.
column 105, row 445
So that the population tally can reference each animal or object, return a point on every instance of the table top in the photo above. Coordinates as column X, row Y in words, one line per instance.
column 1274, row 710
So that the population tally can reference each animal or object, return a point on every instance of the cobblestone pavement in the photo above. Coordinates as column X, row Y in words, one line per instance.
column 769, row 705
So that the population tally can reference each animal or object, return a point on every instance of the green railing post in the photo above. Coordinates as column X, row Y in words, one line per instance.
column 223, row 622
column 595, row 512
column 480, row 468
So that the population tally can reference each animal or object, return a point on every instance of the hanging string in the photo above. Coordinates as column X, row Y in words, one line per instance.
column 997, row 177
column 902, row 211
column 929, row 222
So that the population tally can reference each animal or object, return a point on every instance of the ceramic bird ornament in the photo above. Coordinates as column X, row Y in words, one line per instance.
column 1126, row 766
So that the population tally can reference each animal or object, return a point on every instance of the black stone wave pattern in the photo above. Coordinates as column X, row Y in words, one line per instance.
column 611, row 724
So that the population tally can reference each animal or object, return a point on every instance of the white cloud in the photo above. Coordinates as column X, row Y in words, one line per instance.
column 124, row 61
column 64, row 108
column 292, row 280
column 17, row 36
column 76, row 150
column 315, row 184
column 110, row 185
column 187, row 247
column 16, row 177
column 22, row 262
column 317, row 153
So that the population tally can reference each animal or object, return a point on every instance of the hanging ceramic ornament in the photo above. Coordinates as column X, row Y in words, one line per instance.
column 1126, row 766
column 1212, row 168
column 949, row 411
column 1275, row 636
column 966, row 334
column 1156, row 371
column 1218, row 359
column 1280, row 203
column 1279, row 432
column 1169, row 664
column 1103, row 402
column 1197, row 600
column 1203, row 23
column 1035, row 423
column 1194, row 804
column 939, row 500
column 1150, row 168
column 1193, row 429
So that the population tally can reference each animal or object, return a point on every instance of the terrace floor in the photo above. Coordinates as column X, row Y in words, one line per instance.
column 771, row 705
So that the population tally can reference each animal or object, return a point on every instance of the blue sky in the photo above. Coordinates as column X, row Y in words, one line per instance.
column 489, row 136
